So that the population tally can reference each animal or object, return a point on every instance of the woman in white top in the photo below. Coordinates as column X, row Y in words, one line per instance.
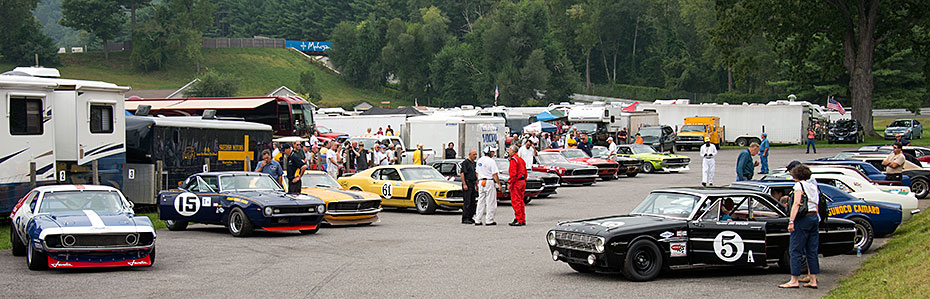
column 332, row 160
column 804, row 228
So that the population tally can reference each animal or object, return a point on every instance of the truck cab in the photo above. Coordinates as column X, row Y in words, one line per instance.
column 695, row 129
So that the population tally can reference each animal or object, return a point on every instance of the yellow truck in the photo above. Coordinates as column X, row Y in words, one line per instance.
column 692, row 133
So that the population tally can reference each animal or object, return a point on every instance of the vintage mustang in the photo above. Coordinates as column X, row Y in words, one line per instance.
column 628, row 166
column 68, row 226
column 242, row 201
column 873, row 219
column 342, row 207
column 686, row 227
column 570, row 173
column 654, row 161
column 407, row 186
column 606, row 169
column 535, row 184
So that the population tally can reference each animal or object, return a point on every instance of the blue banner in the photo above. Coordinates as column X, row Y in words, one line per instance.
column 307, row 46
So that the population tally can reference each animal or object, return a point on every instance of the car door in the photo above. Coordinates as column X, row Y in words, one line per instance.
column 199, row 200
column 726, row 242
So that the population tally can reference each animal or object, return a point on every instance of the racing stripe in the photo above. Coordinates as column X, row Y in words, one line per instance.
column 95, row 220
column 348, row 193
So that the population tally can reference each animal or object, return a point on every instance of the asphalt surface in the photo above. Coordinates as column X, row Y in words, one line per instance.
column 411, row 255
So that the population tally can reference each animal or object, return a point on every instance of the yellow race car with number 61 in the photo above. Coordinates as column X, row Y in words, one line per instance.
column 407, row 186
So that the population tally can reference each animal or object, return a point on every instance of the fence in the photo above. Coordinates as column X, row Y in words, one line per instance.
column 216, row 43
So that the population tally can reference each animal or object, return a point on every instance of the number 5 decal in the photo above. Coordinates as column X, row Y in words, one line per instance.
column 728, row 246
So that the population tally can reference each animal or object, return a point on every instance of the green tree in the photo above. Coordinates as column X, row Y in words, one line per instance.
column 22, row 39
column 173, row 31
column 213, row 84
column 102, row 18
column 308, row 87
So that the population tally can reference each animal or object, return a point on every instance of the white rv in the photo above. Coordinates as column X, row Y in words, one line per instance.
column 468, row 133
column 62, row 126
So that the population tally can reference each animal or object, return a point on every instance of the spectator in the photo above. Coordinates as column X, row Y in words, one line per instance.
column 612, row 148
column 487, row 196
column 269, row 166
column 811, row 135
column 419, row 157
column 901, row 139
column 389, row 131
column 803, row 225
column 398, row 155
column 894, row 163
column 556, row 142
column 584, row 144
column 639, row 139
column 709, row 166
column 380, row 131
column 362, row 156
column 744, row 163
column 469, row 187
column 622, row 136
column 764, row 154
column 333, row 158
column 450, row 151
column 295, row 169
column 527, row 152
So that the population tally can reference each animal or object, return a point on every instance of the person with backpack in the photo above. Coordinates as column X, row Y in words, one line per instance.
column 804, row 226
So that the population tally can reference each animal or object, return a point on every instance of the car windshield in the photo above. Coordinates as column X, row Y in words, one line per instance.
column 549, row 158
column 324, row 130
column 97, row 201
column 690, row 128
column 667, row 204
column 503, row 165
column 900, row 123
column 650, row 132
column 642, row 149
column 574, row 153
column 303, row 115
column 845, row 124
column 421, row 173
column 600, row 151
column 247, row 182
column 585, row 127
column 311, row 180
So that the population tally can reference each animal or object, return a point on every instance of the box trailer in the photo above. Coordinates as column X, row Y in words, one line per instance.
column 468, row 133
column 785, row 123
column 358, row 125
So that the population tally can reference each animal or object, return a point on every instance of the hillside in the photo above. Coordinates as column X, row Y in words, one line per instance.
column 259, row 71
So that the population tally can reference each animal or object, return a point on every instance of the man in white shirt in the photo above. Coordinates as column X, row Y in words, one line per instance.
column 488, row 183
column 708, row 152
column 612, row 148
column 527, row 152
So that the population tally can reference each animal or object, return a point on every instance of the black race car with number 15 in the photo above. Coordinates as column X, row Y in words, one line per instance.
column 687, row 227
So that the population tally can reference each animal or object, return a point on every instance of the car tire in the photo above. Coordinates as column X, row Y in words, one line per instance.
column 543, row 195
column 16, row 244
column 310, row 231
column 36, row 260
column 920, row 186
column 239, row 224
column 631, row 174
column 355, row 189
column 174, row 225
column 581, row 268
column 864, row 234
column 643, row 261
column 424, row 203
column 648, row 167
column 527, row 200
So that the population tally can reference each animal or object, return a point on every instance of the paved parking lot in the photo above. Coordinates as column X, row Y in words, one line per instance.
column 411, row 255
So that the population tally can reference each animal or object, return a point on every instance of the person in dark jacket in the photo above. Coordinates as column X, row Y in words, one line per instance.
column 745, row 166
column 450, row 151
column 469, row 187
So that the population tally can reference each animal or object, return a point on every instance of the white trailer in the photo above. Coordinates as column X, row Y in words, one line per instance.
column 66, row 128
column 357, row 125
column 785, row 123
column 468, row 133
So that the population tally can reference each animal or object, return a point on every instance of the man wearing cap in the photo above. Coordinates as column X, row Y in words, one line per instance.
column 469, row 177
column 488, row 183
column 295, row 169
column 709, row 154
column 764, row 154
column 612, row 148
column 517, row 182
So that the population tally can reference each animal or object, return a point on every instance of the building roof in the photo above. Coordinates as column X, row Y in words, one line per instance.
column 409, row 111
column 363, row 106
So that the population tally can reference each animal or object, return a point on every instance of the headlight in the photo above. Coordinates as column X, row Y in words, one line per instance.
column 551, row 238
column 599, row 244
column 320, row 209
column 268, row 211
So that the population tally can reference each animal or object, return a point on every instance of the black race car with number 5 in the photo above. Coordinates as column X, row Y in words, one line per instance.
column 687, row 227
column 242, row 201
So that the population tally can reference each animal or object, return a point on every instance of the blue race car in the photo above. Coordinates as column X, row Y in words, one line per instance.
column 872, row 218
column 241, row 201
column 70, row 226
column 867, row 168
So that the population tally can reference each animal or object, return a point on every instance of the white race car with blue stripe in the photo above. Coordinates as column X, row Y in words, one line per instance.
column 68, row 226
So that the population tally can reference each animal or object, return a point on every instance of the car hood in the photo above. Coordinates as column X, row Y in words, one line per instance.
column 617, row 225
column 689, row 134
column 657, row 156
column 540, row 174
column 88, row 218
column 568, row 166
column 278, row 198
column 332, row 194
column 592, row 161
column 896, row 129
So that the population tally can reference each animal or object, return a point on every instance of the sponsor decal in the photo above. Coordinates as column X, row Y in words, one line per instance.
column 53, row 263
column 387, row 190
column 750, row 259
column 681, row 233
column 666, row 235
column 612, row 224
column 728, row 246
column 206, row 202
column 59, row 264
column 678, row 249
column 844, row 209
column 187, row 204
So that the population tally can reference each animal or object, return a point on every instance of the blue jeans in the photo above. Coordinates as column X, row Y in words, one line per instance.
column 804, row 241
column 810, row 144
column 764, row 161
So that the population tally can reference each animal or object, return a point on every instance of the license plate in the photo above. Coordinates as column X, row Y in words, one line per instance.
column 283, row 220
column 840, row 138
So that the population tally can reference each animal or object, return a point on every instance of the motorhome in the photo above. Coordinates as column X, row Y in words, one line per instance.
column 288, row 115
column 598, row 120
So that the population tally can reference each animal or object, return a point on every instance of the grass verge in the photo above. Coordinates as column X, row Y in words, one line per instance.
column 899, row 269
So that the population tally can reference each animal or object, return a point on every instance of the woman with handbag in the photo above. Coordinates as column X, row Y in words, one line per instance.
column 803, row 224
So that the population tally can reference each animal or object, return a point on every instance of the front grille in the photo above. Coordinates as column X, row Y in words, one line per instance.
column 454, row 194
column 630, row 163
column 99, row 241
column 575, row 241
column 295, row 210
column 354, row 205
column 606, row 166
column 676, row 161
column 691, row 138
column 533, row 185
column 551, row 180
column 584, row 172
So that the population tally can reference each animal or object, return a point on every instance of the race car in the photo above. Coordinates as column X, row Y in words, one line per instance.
column 919, row 176
column 71, row 226
column 860, row 188
column 628, row 166
column 449, row 168
column 685, row 227
column 654, row 161
column 872, row 218
column 241, row 201
column 407, row 186
column 606, row 169
column 868, row 169
column 342, row 207
column 570, row 173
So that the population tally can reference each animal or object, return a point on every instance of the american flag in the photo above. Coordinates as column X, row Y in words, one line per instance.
column 832, row 104
column 496, row 94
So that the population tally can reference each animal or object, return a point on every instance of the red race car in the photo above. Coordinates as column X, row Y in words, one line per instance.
column 606, row 169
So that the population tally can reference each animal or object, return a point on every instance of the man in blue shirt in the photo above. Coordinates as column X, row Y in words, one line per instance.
column 744, row 164
column 584, row 144
column 270, row 166
column 764, row 154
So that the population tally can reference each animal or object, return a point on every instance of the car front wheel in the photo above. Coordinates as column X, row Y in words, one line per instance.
column 864, row 234
column 35, row 259
column 424, row 203
column 174, row 225
column 648, row 167
column 239, row 224
column 643, row 261
column 920, row 187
